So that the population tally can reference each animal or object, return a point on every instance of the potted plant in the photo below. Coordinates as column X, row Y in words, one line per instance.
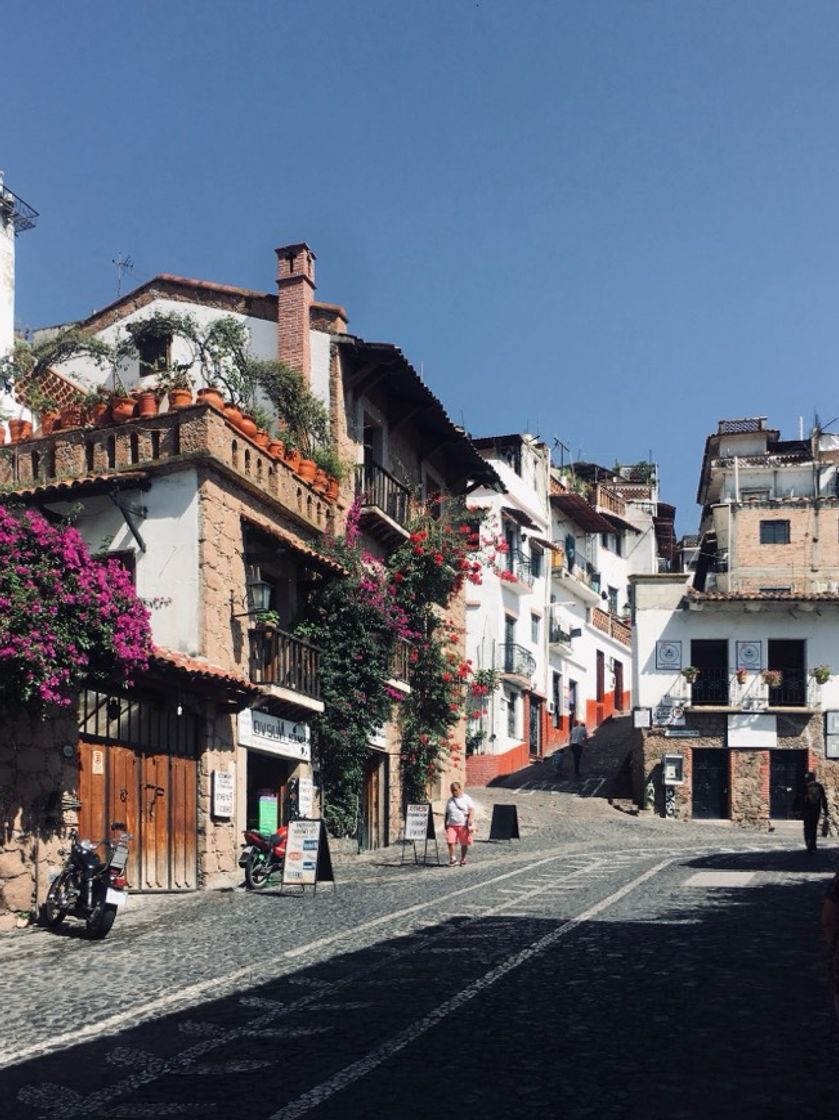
column 176, row 383
column 772, row 678
column 821, row 673
column 690, row 673
column 742, row 676
column 262, row 418
column 267, row 620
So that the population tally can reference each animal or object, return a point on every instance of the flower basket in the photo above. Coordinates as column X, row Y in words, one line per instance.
column 690, row 673
column 773, row 678
column 821, row 673
column 742, row 676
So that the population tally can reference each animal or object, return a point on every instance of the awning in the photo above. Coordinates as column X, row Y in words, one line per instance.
column 298, row 545
column 519, row 516
column 619, row 524
column 554, row 546
column 584, row 515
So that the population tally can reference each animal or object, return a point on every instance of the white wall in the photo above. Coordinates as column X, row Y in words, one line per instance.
column 320, row 346
column 263, row 340
column 169, row 567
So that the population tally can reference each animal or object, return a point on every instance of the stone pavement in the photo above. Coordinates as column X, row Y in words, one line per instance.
column 604, row 965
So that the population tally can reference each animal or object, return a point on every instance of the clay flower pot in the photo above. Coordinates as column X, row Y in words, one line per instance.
column 179, row 398
column 72, row 416
column 19, row 430
column 100, row 414
column 232, row 414
column 292, row 457
column 276, row 447
column 48, row 422
column 2, row 434
column 146, row 403
column 321, row 480
column 211, row 396
column 247, row 426
column 306, row 468
column 122, row 408
column 333, row 488
column 261, row 437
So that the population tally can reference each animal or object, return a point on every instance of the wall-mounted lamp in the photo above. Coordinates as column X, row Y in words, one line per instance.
column 258, row 595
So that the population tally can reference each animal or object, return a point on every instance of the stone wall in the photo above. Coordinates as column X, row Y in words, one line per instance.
column 218, row 838
column 749, row 770
column 38, row 786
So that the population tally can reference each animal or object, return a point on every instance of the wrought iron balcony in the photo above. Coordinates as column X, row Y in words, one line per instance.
column 717, row 687
column 380, row 491
column 558, row 636
column 286, row 662
column 515, row 660
column 517, row 571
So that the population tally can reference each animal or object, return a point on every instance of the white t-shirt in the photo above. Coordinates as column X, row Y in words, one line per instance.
column 457, row 809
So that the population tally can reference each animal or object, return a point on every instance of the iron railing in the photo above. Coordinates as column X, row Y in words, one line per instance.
column 711, row 687
column 382, row 490
column 791, row 692
column 400, row 662
column 716, row 686
column 520, row 566
column 556, row 634
column 279, row 659
column 515, row 660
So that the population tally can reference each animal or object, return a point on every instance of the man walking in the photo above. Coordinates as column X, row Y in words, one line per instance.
column 813, row 804
column 578, row 737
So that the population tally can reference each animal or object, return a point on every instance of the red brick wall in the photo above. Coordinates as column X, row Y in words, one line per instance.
column 482, row 768
column 296, row 284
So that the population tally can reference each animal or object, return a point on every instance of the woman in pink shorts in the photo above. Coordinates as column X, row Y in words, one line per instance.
column 460, row 815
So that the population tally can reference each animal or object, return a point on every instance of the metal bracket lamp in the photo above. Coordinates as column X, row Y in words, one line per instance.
column 258, row 597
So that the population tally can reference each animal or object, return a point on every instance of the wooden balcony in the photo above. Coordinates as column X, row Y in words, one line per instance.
column 287, row 668
column 385, row 504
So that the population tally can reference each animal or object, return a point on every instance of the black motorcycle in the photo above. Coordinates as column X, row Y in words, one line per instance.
column 88, row 887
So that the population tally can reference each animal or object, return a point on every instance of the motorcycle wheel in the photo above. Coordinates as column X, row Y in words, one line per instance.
column 100, row 922
column 57, row 905
column 257, row 870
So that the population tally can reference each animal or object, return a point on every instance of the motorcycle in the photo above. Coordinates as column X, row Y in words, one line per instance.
column 263, row 856
column 88, row 887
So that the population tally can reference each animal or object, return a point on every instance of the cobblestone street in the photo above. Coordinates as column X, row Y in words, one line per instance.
column 604, row 965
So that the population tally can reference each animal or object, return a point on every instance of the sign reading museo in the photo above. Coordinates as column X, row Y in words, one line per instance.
column 274, row 735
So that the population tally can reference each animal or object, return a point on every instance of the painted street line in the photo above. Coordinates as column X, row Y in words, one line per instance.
column 356, row 1070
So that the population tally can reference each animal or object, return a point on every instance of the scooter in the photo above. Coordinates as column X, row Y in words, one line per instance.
column 263, row 856
column 88, row 887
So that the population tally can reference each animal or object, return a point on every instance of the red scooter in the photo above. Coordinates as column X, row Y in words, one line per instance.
column 262, row 857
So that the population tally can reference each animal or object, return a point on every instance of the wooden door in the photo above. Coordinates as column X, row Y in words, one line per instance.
column 618, row 686
column 710, row 784
column 786, row 780
column 168, row 822
column 108, row 793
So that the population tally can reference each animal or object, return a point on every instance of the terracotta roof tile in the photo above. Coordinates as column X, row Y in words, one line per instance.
column 763, row 596
column 203, row 670
column 68, row 488
column 584, row 515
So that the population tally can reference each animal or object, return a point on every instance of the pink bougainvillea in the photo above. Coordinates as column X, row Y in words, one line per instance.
column 64, row 617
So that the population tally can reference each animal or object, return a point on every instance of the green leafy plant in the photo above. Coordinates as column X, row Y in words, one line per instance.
column 267, row 618
column 821, row 673
column 304, row 416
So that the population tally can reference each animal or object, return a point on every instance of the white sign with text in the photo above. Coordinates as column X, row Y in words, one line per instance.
column 301, row 854
column 274, row 735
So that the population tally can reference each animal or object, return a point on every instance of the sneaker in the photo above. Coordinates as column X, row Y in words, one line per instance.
column 463, row 863
column 452, row 863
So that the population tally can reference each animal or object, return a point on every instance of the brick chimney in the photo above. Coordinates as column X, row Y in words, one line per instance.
column 296, row 285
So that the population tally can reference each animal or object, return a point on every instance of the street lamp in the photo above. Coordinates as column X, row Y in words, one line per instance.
column 258, row 596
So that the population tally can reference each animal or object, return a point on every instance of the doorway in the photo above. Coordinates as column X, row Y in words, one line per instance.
column 788, row 656
column 155, row 796
column 709, row 798
column 618, row 686
column 373, row 823
column 535, row 726
column 786, row 779
column 710, row 656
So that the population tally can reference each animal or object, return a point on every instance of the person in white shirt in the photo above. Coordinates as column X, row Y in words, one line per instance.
column 459, row 822
column 578, row 737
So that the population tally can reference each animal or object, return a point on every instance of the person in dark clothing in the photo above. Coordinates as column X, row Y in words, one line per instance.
column 813, row 804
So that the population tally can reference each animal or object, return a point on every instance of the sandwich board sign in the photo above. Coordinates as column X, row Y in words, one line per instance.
column 419, row 829
column 307, row 858
column 505, row 823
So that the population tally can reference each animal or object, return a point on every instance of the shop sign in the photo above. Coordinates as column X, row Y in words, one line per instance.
column 416, row 822
column 222, row 793
column 669, row 712
column 305, row 796
column 273, row 735
column 681, row 733
column 301, row 857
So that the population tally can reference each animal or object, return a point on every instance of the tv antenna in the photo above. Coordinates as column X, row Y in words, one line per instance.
column 122, row 264
column 563, row 448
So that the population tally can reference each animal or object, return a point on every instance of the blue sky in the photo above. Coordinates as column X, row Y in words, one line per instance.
column 609, row 222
